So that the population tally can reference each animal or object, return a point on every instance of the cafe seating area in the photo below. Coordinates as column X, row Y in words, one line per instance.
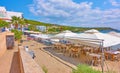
column 91, row 55
column 112, row 55
column 87, row 49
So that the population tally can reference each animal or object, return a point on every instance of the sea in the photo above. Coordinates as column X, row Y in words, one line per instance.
column 107, row 31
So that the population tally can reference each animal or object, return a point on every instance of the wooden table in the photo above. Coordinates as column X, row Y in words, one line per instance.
column 112, row 55
column 74, row 52
column 95, row 58
column 84, row 50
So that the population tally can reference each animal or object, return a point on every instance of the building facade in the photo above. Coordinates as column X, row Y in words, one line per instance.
column 7, row 15
column 41, row 28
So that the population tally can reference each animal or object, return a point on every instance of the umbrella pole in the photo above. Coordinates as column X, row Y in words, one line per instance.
column 102, row 63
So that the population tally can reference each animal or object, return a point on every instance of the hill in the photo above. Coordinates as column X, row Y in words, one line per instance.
column 55, row 28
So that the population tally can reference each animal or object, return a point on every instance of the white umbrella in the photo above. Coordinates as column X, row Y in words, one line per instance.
column 114, row 33
column 65, row 34
column 109, row 40
column 42, row 36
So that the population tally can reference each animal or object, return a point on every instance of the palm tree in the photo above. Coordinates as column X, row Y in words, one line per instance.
column 15, row 21
column 18, row 20
column 22, row 23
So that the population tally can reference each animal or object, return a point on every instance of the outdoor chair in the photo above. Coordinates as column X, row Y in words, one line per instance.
column 96, row 61
column 75, row 52
column 117, row 57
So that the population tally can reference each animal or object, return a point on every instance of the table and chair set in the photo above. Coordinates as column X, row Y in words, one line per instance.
column 112, row 55
column 95, row 55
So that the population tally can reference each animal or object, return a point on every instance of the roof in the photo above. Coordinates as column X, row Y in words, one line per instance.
column 2, row 9
column 17, row 14
column 4, row 19
column 114, row 33
column 96, row 38
column 64, row 34
column 6, row 15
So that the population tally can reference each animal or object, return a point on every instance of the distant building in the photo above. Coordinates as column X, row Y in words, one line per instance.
column 41, row 28
column 7, row 15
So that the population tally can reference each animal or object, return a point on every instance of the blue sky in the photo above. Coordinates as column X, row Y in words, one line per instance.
column 79, row 13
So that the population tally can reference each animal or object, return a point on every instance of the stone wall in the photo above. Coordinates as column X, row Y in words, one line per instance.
column 3, row 46
column 27, row 64
column 2, row 43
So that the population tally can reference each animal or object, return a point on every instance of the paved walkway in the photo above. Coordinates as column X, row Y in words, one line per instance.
column 9, row 62
column 45, row 60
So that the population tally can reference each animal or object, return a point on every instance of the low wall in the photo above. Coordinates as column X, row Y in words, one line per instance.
column 3, row 47
column 27, row 64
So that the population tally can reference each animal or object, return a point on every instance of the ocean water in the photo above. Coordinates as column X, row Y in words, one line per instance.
column 107, row 31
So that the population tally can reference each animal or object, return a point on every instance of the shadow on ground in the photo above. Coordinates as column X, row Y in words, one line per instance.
column 74, row 61
column 15, row 65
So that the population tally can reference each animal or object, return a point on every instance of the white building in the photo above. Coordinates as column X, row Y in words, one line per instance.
column 41, row 28
column 7, row 15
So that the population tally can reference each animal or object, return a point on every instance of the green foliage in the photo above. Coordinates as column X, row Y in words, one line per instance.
column 18, row 20
column 51, row 28
column 45, row 69
column 32, row 28
column 3, row 23
column 84, row 69
column 18, row 34
column 15, row 20
column 37, row 23
column 54, row 30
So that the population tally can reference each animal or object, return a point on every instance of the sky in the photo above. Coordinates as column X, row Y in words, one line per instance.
column 78, row 13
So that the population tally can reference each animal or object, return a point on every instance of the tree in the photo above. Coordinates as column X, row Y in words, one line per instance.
column 15, row 21
column 32, row 28
column 18, row 20
column 3, row 23
column 22, row 23
column 18, row 34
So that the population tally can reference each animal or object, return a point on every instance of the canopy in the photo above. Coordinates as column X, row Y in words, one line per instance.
column 32, row 32
column 95, row 38
column 114, row 33
column 65, row 34
column 42, row 36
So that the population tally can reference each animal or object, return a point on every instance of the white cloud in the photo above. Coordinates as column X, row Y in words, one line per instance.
column 75, row 14
column 115, row 2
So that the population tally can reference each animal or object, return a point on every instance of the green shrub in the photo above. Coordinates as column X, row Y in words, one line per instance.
column 84, row 69
column 45, row 69
column 17, row 33
column 3, row 23
column 32, row 28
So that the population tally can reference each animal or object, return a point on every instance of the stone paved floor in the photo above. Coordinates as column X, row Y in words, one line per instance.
column 9, row 62
column 45, row 60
